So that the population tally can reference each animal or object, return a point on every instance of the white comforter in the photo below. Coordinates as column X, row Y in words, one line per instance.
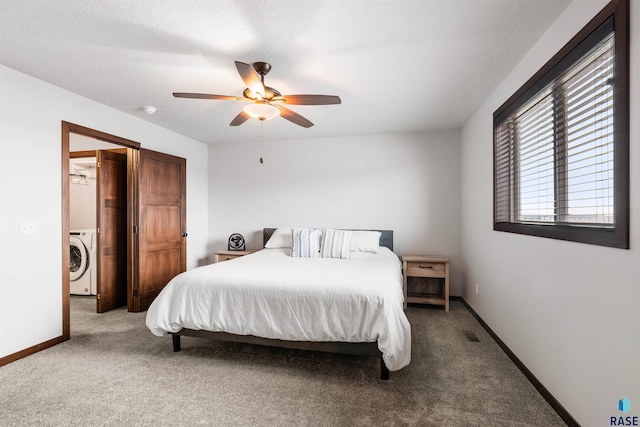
column 272, row 295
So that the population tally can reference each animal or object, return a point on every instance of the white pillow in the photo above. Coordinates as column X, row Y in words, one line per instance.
column 336, row 244
column 281, row 238
column 305, row 243
column 365, row 241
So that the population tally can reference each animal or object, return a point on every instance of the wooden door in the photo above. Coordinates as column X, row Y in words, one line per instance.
column 161, row 232
column 111, row 228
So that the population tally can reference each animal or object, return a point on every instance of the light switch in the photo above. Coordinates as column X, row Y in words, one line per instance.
column 28, row 227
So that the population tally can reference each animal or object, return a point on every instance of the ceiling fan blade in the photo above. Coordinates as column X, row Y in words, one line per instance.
column 240, row 119
column 207, row 96
column 293, row 117
column 309, row 99
column 250, row 78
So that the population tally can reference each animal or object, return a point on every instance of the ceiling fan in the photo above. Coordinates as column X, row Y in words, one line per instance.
column 265, row 102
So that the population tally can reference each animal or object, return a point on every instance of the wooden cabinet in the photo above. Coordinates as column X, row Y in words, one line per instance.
column 227, row 255
column 426, row 280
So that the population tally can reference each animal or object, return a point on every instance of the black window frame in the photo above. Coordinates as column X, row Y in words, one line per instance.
column 615, row 14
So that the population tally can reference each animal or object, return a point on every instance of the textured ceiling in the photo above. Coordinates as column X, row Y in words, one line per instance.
column 397, row 65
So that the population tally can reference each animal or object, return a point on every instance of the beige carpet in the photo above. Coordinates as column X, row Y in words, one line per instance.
column 114, row 372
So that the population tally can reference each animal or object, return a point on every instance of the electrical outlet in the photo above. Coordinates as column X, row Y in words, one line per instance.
column 476, row 289
column 28, row 227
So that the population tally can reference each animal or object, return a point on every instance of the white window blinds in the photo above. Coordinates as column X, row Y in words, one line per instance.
column 554, row 154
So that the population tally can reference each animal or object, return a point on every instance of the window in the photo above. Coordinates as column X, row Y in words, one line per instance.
column 561, row 143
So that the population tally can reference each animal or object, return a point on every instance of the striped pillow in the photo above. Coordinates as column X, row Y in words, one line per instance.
column 336, row 244
column 305, row 243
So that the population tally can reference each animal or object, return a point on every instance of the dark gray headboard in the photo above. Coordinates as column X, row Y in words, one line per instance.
column 386, row 236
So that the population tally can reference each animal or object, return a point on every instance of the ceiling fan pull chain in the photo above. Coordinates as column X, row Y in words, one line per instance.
column 261, row 137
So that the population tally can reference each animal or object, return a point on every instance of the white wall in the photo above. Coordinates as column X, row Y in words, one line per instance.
column 82, row 204
column 569, row 311
column 409, row 183
column 31, row 113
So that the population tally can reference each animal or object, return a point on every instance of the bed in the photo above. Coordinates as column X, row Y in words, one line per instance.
column 348, row 306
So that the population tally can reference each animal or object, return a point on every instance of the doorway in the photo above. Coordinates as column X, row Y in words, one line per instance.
column 97, row 218
column 115, row 274
column 153, row 211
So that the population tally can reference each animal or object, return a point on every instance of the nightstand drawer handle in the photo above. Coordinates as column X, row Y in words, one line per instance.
column 425, row 266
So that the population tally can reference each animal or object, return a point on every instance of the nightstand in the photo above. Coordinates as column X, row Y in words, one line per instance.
column 227, row 255
column 426, row 280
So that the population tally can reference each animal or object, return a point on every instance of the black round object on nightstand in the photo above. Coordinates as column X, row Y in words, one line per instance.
column 236, row 242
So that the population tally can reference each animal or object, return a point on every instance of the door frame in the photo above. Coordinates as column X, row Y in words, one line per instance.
column 132, row 148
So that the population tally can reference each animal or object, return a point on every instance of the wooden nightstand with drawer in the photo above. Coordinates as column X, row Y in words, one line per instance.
column 227, row 255
column 426, row 280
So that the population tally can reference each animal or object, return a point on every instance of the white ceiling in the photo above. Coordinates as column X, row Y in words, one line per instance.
column 397, row 65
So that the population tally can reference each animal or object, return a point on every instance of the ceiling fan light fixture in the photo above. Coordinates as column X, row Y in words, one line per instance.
column 261, row 111
column 263, row 98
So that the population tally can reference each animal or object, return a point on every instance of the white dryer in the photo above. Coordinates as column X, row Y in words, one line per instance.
column 83, row 263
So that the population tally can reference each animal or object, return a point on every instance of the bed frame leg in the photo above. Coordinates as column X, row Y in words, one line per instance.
column 384, row 371
column 176, row 342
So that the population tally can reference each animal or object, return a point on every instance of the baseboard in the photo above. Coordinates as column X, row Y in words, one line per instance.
column 29, row 351
column 562, row 412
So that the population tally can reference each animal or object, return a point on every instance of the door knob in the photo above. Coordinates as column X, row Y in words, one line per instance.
column 184, row 234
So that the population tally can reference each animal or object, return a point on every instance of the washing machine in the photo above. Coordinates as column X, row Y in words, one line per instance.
column 83, row 263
